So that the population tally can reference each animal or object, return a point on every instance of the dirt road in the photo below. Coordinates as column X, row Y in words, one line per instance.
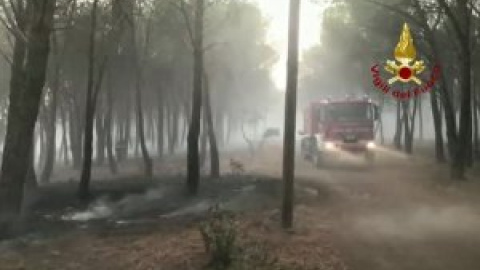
column 401, row 214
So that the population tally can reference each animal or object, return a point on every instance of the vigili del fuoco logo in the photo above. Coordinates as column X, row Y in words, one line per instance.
column 405, row 71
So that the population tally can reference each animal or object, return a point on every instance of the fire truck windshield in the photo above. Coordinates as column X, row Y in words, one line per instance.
column 346, row 112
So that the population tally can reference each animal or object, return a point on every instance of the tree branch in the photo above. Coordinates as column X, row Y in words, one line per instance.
column 186, row 18
column 98, row 83
column 475, row 9
column 6, row 57
column 398, row 11
column 453, row 20
column 14, row 26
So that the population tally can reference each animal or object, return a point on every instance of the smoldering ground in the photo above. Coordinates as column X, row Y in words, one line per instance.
column 236, row 193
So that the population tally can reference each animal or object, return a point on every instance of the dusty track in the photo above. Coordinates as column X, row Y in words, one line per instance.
column 401, row 214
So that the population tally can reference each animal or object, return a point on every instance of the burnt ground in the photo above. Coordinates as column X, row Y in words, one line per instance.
column 401, row 213
column 133, row 223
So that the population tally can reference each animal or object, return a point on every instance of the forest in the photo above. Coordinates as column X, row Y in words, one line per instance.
column 161, row 109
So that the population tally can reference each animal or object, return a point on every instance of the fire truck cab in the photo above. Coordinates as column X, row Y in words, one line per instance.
column 336, row 126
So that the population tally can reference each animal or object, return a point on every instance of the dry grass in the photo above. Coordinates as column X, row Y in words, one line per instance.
column 178, row 247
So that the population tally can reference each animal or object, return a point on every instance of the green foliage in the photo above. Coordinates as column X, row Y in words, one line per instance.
column 355, row 35
column 219, row 236
column 237, row 57
column 239, row 60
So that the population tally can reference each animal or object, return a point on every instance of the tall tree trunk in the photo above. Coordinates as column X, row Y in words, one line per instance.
column 170, row 127
column 26, row 87
column 75, row 131
column 249, row 141
column 30, row 192
column 160, row 123
column 450, row 119
column 186, row 123
column 84, row 187
column 100, row 130
column 30, row 188
column 445, row 95
column 140, row 129
column 149, row 128
column 51, row 118
column 136, row 151
column 420, row 120
column 476, row 135
column 411, row 135
column 470, row 149
column 93, row 88
column 290, row 116
column 382, row 133
column 229, row 128
column 31, row 179
column 203, row 141
column 460, row 20
column 193, row 168
column 220, row 126
column 127, row 125
column 407, row 128
column 212, row 141
column 42, row 141
column 438, row 128
column 380, row 122
column 173, row 121
column 397, row 138
column 109, row 129
column 465, row 130
column 138, row 100
column 64, row 148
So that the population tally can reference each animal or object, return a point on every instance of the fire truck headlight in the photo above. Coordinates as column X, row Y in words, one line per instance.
column 371, row 145
column 329, row 145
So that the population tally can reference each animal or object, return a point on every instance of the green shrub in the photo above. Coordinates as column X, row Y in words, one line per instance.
column 220, row 232
column 219, row 235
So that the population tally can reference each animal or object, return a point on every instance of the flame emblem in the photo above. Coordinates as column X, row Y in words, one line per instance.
column 405, row 53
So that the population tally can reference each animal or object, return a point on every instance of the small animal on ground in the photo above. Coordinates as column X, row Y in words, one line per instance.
column 236, row 166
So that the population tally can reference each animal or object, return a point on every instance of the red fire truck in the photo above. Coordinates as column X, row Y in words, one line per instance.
column 336, row 126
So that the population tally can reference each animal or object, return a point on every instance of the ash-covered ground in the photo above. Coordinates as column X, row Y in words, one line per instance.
column 401, row 213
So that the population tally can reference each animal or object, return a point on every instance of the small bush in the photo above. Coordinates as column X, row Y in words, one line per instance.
column 219, row 235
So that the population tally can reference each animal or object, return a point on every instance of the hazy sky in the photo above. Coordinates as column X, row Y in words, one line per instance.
column 276, row 12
